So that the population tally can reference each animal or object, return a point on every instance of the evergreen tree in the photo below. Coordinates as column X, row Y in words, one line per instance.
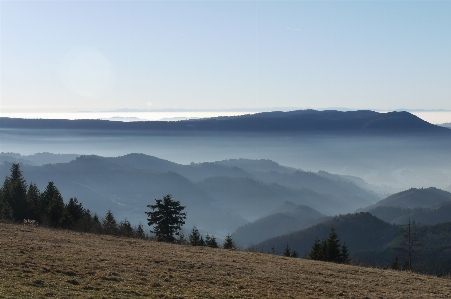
column 344, row 254
column 47, row 196
column 85, row 224
column 109, row 224
column 228, row 243
column 56, row 210
column 34, row 201
column 166, row 218
column 126, row 229
column 210, row 241
column 395, row 264
column 96, row 226
column 195, row 237
column 315, row 253
column 333, row 247
column 323, row 252
column 15, row 194
column 5, row 209
column 75, row 211
column 294, row 254
column 287, row 251
column 140, row 232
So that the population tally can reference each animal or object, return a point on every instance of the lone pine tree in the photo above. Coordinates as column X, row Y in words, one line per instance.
column 228, row 243
column 166, row 218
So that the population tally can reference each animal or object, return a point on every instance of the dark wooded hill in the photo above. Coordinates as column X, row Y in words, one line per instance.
column 397, row 215
column 414, row 198
column 286, row 219
column 301, row 121
column 373, row 241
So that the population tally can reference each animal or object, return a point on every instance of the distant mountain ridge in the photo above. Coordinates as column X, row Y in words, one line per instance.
column 220, row 196
column 414, row 198
column 301, row 121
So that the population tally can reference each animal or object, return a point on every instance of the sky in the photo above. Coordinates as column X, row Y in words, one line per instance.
column 67, row 56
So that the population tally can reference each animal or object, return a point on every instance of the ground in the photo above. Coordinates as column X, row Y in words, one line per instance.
column 38, row 262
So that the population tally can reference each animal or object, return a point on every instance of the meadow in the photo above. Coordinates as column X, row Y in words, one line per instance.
column 37, row 262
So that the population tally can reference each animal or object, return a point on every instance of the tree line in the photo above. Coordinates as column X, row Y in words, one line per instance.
column 20, row 201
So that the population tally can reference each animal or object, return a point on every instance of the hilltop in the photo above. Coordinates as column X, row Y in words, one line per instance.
column 313, row 121
column 414, row 198
column 40, row 262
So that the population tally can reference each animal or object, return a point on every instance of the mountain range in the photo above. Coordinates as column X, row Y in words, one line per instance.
column 313, row 121
column 219, row 196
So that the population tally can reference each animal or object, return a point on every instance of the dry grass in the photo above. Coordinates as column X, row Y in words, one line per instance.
column 41, row 263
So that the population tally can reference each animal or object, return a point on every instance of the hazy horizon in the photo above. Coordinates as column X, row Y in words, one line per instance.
column 67, row 56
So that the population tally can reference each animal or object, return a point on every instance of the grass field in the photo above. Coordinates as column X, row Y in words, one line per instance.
column 38, row 262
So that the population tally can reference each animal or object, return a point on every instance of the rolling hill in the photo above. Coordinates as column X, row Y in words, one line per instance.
column 219, row 196
column 414, row 198
column 287, row 218
column 397, row 215
column 360, row 231
column 44, row 263
column 371, row 241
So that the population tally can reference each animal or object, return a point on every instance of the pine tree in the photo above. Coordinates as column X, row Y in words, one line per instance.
column 139, row 233
column 166, row 218
column 34, row 201
column 15, row 194
column 109, row 224
column 96, row 226
column 333, row 247
column 126, row 229
column 75, row 211
column 315, row 253
column 5, row 209
column 294, row 254
column 85, row 224
column 210, row 241
column 47, row 196
column 395, row 264
column 228, row 243
column 55, row 210
column 323, row 252
column 195, row 237
column 287, row 251
column 344, row 254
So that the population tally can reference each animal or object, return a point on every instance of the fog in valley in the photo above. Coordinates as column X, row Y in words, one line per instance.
column 252, row 176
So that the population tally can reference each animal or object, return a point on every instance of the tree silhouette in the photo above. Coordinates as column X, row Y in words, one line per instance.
column 315, row 253
column 344, row 254
column 228, row 243
column 109, row 224
column 409, row 245
column 15, row 194
column 211, row 241
column 166, row 218
column 287, row 251
column 195, row 239
column 333, row 247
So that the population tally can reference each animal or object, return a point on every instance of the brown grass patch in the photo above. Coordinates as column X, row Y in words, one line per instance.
column 43, row 263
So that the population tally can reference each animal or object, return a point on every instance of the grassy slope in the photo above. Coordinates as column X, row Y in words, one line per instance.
column 39, row 262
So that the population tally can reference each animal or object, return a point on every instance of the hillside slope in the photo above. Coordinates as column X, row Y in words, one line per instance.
column 39, row 262
column 414, row 198
column 396, row 215
column 286, row 219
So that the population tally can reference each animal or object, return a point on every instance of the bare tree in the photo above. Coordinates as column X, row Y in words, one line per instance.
column 409, row 246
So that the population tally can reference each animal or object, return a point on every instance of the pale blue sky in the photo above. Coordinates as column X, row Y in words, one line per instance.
column 100, row 55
